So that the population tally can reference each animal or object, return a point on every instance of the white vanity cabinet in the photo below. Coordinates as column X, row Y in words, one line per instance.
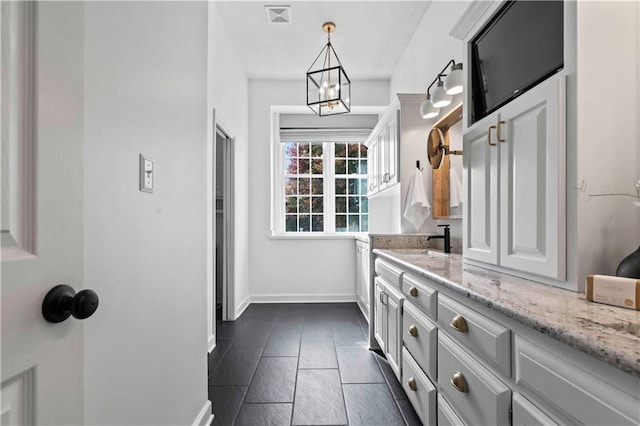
column 514, row 172
column 362, row 277
column 461, row 362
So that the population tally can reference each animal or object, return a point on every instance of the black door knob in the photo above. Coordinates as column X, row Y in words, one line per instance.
column 62, row 301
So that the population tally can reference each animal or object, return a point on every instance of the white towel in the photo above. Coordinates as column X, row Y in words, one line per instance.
column 455, row 188
column 417, row 208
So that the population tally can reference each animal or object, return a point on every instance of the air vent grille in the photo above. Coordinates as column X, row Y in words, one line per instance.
column 278, row 14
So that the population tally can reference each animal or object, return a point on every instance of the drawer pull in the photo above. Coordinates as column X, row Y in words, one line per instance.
column 413, row 385
column 413, row 330
column 459, row 324
column 459, row 382
column 413, row 292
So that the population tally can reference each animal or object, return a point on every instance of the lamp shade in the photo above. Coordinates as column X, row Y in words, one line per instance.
column 453, row 81
column 440, row 98
column 427, row 109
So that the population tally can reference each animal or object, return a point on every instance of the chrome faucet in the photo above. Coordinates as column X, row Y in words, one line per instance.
column 446, row 237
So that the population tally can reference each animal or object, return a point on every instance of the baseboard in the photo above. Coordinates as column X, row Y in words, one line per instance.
column 205, row 417
column 243, row 305
column 302, row 298
column 211, row 343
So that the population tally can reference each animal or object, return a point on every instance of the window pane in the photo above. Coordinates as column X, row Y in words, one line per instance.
column 364, row 223
column 316, row 150
column 305, row 223
column 303, row 150
column 354, row 150
column 303, row 166
column 303, row 204
column 317, row 223
column 290, row 149
column 341, row 204
column 317, row 204
column 316, row 166
column 341, row 186
column 354, row 223
column 354, row 186
column 341, row 167
column 353, row 167
column 354, row 205
column 291, row 166
column 363, row 186
column 341, row 223
column 363, row 151
column 291, row 186
column 317, row 186
column 364, row 205
column 303, row 186
column 341, row 150
column 291, row 205
column 363, row 167
column 291, row 223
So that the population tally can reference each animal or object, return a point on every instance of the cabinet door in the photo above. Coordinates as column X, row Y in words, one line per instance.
column 393, row 304
column 358, row 282
column 383, row 157
column 392, row 138
column 480, row 176
column 364, row 283
column 373, row 163
column 380, row 314
column 532, row 181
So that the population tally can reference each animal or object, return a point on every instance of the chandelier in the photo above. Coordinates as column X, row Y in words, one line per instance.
column 328, row 87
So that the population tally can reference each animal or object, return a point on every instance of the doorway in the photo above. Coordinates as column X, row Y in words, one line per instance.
column 223, row 235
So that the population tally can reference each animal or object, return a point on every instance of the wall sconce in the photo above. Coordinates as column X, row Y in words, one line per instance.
column 442, row 94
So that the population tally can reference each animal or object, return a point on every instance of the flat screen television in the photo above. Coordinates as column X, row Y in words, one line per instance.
column 517, row 49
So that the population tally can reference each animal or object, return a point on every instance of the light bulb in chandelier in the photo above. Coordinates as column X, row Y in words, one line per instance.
column 440, row 98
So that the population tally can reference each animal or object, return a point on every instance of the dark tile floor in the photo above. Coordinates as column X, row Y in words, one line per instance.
column 302, row 364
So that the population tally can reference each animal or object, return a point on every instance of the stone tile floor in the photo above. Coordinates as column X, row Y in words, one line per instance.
column 303, row 364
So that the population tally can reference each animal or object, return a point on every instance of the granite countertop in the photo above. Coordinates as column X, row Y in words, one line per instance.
column 609, row 333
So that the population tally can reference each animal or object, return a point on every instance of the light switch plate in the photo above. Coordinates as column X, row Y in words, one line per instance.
column 146, row 174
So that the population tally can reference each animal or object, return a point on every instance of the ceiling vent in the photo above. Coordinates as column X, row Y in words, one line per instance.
column 278, row 14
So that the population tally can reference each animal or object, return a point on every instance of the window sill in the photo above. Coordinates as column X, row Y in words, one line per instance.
column 340, row 236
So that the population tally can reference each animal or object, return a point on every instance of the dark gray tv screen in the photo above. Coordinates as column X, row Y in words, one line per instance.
column 517, row 49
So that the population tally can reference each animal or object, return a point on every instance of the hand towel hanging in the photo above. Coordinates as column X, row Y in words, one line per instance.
column 455, row 188
column 417, row 207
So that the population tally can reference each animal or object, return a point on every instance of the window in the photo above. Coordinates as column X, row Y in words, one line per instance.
column 324, row 187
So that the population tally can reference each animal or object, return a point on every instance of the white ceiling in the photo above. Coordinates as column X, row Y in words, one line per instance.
column 370, row 36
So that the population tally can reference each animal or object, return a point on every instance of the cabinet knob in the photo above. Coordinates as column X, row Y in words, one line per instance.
column 459, row 324
column 413, row 330
column 413, row 291
column 459, row 382
column 413, row 385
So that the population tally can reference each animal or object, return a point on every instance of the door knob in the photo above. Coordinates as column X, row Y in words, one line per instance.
column 62, row 301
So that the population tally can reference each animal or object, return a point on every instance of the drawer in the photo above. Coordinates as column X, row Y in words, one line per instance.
column 446, row 415
column 389, row 272
column 420, row 336
column 419, row 390
column 527, row 414
column 420, row 294
column 571, row 390
column 480, row 397
column 482, row 335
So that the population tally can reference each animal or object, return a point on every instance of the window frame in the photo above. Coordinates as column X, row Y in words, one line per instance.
column 277, row 230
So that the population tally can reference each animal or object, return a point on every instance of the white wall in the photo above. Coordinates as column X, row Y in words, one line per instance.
column 228, row 93
column 294, row 270
column 145, row 92
column 424, row 57
column 608, row 134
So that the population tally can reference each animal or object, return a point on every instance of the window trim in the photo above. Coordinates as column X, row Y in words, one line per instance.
column 277, row 222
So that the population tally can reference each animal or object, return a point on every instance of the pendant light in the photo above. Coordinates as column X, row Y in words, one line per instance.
column 328, row 87
column 442, row 94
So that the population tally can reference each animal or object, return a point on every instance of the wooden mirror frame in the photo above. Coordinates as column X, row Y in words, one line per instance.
column 440, row 182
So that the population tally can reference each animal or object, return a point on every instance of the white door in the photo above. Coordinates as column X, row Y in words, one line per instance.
column 42, row 214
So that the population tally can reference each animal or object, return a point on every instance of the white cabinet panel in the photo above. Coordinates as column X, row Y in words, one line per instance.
column 362, row 277
column 532, row 182
column 527, row 414
column 393, row 344
column 419, row 390
column 480, row 175
column 380, row 324
column 420, row 337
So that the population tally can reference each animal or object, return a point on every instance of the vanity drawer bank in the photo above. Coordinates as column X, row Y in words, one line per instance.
column 481, row 347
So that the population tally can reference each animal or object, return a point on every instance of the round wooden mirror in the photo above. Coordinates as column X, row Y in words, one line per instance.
column 435, row 147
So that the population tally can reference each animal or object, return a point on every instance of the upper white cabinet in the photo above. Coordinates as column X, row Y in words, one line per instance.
column 514, row 174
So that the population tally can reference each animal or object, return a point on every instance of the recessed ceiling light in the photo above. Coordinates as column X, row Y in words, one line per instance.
column 278, row 14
